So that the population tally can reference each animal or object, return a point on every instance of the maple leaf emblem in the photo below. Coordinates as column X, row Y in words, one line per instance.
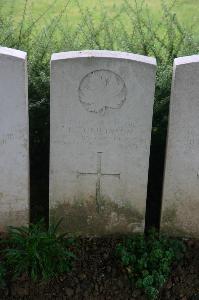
column 101, row 90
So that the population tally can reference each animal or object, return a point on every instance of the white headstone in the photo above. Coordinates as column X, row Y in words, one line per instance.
column 101, row 117
column 180, row 207
column 14, row 149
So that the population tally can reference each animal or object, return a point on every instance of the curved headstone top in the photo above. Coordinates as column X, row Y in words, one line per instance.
column 13, row 53
column 186, row 60
column 104, row 54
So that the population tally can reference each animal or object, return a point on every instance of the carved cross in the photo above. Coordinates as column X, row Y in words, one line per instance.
column 99, row 174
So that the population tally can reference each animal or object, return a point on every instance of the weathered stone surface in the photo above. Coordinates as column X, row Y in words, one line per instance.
column 101, row 116
column 180, row 207
column 14, row 152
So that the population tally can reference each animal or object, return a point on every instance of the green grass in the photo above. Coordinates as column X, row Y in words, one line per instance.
column 186, row 10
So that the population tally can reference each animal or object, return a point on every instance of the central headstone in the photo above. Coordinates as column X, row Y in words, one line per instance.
column 101, row 117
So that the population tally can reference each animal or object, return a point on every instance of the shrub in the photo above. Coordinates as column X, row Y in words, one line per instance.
column 148, row 260
column 40, row 253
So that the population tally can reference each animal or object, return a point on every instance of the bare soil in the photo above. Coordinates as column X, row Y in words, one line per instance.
column 98, row 275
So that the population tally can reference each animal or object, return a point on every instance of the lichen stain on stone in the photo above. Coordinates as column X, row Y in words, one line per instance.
column 169, row 220
column 172, row 225
column 170, row 215
column 13, row 218
column 82, row 218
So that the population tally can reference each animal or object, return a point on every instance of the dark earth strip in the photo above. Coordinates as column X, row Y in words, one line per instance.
column 98, row 275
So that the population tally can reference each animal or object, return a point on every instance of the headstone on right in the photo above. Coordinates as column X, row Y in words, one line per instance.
column 101, row 117
column 180, row 206
column 14, row 142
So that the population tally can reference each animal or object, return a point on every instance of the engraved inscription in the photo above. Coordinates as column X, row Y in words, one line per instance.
column 119, row 132
column 99, row 174
column 101, row 90
column 79, row 130
column 5, row 138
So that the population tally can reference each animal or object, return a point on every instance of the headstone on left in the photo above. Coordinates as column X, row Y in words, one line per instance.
column 101, row 117
column 14, row 139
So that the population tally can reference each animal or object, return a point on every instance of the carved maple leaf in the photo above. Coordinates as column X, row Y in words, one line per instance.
column 101, row 90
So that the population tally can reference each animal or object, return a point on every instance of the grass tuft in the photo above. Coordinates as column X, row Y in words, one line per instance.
column 38, row 252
